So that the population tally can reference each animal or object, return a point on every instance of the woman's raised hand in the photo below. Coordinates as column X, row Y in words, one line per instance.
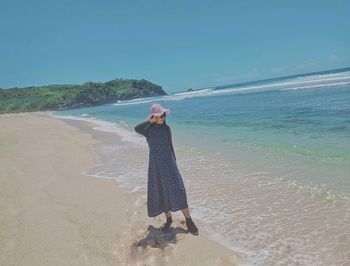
column 153, row 119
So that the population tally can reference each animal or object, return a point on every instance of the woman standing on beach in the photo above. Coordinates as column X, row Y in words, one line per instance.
column 165, row 189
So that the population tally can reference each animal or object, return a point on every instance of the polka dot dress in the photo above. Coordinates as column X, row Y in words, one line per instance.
column 165, row 188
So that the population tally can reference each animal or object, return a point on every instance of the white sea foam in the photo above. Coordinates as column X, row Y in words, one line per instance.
column 284, row 85
column 307, row 82
column 106, row 126
column 326, row 85
column 194, row 92
column 137, row 101
column 325, row 76
column 174, row 97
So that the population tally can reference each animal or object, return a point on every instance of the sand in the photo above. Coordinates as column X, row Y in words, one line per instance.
column 53, row 214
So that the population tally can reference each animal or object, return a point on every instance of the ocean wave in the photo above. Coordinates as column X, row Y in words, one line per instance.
column 136, row 101
column 324, row 76
column 173, row 97
column 326, row 85
column 284, row 85
column 102, row 125
column 194, row 92
column 307, row 82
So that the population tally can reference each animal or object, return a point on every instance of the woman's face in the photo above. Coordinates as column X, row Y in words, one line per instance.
column 160, row 119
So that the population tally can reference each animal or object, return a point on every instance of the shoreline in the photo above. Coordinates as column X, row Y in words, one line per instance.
column 54, row 214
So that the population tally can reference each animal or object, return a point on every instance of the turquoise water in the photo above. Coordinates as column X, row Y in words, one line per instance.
column 266, row 164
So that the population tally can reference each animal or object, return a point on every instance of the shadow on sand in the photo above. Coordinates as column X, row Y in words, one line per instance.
column 158, row 238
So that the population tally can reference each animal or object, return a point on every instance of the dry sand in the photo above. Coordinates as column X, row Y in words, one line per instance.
column 52, row 214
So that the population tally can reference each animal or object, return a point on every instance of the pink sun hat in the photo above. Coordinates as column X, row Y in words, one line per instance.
column 157, row 110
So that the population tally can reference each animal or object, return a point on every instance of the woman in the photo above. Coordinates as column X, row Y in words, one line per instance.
column 165, row 189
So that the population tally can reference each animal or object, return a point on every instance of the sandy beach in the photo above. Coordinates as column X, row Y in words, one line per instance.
column 53, row 214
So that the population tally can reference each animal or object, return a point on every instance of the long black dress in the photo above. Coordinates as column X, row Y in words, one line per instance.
column 165, row 188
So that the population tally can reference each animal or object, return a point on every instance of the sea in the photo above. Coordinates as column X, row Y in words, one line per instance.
column 266, row 164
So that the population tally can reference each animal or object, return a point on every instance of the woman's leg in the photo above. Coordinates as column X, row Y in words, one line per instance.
column 169, row 220
column 186, row 213
column 189, row 222
column 167, row 214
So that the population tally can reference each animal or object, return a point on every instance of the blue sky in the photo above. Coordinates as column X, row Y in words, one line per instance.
column 176, row 44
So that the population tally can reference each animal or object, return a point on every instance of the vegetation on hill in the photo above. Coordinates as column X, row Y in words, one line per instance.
column 60, row 97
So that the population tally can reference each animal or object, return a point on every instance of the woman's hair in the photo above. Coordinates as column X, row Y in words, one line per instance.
column 165, row 123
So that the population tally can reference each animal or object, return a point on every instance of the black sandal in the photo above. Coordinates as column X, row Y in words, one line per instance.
column 168, row 223
column 191, row 227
